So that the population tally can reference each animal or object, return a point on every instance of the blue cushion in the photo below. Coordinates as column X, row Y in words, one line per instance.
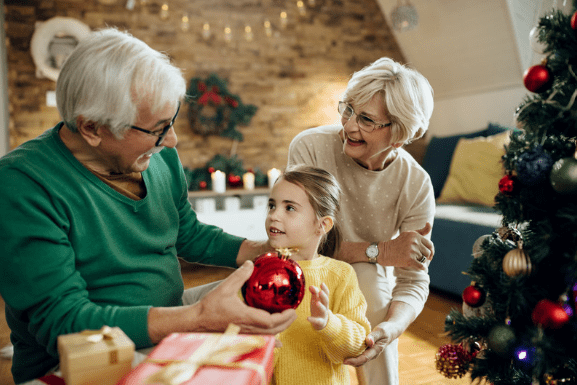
column 437, row 159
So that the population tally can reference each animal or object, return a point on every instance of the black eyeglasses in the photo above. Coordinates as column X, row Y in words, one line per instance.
column 364, row 122
column 161, row 134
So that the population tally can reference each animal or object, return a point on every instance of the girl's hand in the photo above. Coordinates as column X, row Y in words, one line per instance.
column 319, row 307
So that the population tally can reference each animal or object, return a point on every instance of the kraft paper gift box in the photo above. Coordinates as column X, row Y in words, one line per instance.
column 207, row 359
column 100, row 357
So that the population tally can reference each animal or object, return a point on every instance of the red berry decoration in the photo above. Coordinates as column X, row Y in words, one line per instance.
column 537, row 78
column 473, row 296
column 507, row 185
column 453, row 360
column 234, row 180
column 277, row 283
column 574, row 21
column 549, row 314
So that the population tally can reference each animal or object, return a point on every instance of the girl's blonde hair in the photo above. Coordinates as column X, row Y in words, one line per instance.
column 324, row 194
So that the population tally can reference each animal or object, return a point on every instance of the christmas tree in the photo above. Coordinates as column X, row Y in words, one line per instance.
column 518, row 324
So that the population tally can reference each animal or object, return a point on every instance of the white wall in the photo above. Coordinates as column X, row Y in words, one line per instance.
column 474, row 112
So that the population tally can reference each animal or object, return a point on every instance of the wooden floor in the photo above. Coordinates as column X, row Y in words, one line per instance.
column 417, row 346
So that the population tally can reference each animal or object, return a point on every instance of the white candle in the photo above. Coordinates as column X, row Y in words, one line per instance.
column 273, row 175
column 218, row 181
column 248, row 180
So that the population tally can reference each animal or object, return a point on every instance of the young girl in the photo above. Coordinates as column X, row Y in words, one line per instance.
column 331, row 323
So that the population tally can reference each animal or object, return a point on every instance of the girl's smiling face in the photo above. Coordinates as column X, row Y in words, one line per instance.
column 291, row 221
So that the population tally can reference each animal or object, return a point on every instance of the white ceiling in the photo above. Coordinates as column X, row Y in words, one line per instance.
column 467, row 47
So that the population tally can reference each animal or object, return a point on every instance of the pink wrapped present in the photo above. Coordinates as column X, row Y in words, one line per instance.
column 207, row 358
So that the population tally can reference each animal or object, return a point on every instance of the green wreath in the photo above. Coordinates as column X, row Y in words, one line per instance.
column 212, row 110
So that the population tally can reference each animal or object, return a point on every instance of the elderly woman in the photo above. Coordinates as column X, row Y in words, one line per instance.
column 388, row 203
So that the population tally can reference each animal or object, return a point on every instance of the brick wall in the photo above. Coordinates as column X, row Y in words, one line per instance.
column 294, row 77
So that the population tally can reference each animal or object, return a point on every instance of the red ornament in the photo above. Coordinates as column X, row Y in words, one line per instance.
column 453, row 360
column 202, row 184
column 574, row 21
column 537, row 78
column 276, row 284
column 549, row 314
column 211, row 170
column 507, row 184
column 473, row 296
column 234, row 180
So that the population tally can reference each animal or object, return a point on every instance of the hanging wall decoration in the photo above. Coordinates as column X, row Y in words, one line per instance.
column 213, row 110
column 53, row 41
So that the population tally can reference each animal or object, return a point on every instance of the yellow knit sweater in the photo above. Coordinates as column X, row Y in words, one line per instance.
column 315, row 357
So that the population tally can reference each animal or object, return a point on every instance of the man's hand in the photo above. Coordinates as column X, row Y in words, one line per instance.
column 408, row 248
column 216, row 310
column 223, row 306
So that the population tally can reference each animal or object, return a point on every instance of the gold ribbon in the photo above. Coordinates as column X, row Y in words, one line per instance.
column 104, row 334
column 217, row 350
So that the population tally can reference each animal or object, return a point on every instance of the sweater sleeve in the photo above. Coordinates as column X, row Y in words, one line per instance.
column 347, row 326
column 200, row 242
column 412, row 286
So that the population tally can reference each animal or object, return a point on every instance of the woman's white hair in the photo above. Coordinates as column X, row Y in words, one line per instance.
column 407, row 96
column 108, row 74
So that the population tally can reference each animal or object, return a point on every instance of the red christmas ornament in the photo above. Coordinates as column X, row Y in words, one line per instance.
column 507, row 185
column 276, row 284
column 574, row 21
column 202, row 184
column 473, row 296
column 211, row 170
column 549, row 314
column 453, row 360
column 537, row 78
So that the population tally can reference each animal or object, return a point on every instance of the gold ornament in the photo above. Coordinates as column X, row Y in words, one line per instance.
column 516, row 263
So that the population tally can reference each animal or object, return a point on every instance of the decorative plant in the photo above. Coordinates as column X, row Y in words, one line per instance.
column 213, row 110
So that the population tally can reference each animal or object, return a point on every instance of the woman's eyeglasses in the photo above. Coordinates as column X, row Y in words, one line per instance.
column 364, row 122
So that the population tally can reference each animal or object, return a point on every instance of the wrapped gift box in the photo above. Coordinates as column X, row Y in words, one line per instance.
column 95, row 356
column 205, row 359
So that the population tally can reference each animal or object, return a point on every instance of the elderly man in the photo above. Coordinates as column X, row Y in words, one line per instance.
column 95, row 214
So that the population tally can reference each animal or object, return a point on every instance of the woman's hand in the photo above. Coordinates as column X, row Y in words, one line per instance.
column 319, row 307
column 399, row 317
column 382, row 335
column 408, row 248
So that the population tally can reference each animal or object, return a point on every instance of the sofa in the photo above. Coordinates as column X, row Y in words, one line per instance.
column 465, row 171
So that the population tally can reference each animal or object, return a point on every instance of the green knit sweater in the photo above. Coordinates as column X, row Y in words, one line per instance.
column 78, row 255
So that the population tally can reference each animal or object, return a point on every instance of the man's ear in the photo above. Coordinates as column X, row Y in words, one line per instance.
column 397, row 145
column 326, row 224
column 90, row 131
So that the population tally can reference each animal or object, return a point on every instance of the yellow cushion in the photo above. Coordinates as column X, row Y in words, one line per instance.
column 475, row 171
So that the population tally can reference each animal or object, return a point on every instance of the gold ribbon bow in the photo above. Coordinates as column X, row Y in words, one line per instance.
column 216, row 350
column 104, row 334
